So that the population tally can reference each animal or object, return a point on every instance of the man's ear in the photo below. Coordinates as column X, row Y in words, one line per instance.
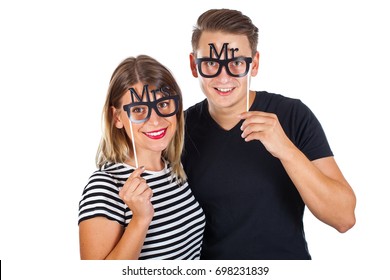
column 116, row 118
column 193, row 65
column 255, row 64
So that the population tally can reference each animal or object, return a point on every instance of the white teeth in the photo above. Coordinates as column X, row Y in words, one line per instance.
column 156, row 133
column 224, row 89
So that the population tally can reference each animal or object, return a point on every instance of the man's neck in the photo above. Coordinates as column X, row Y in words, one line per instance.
column 227, row 118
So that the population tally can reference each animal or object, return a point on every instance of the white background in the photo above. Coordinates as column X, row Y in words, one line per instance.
column 56, row 59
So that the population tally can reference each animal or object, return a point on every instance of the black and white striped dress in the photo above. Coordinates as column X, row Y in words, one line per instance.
column 176, row 230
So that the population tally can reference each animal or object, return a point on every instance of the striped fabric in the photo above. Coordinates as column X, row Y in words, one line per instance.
column 176, row 230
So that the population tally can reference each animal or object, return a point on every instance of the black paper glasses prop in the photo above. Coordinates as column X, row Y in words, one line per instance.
column 212, row 67
column 139, row 112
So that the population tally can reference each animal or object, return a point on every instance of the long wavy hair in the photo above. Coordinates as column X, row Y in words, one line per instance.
column 115, row 145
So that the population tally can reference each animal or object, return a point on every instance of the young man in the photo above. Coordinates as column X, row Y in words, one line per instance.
column 255, row 159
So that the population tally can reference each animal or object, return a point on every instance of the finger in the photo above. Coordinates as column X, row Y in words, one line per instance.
column 149, row 193
column 142, row 194
column 255, row 123
column 137, row 188
column 252, row 128
column 136, row 173
column 146, row 194
column 253, row 136
column 254, row 118
column 265, row 119
column 140, row 188
column 246, row 115
column 131, row 187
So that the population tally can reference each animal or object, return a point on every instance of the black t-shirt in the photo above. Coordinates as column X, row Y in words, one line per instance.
column 253, row 210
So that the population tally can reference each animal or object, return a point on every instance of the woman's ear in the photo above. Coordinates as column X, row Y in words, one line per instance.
column 116, row 118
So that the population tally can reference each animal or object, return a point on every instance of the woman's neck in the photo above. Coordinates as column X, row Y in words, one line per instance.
column 150, row 162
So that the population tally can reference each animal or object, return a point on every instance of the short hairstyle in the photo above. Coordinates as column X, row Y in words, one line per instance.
column 115, row 145
column 227, row 21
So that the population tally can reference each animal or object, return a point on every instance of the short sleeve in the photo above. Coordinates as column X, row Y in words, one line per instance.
column 308, row 134
column 100, row 198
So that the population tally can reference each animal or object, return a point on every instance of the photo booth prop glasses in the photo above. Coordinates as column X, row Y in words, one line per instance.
column 212, row 67
column 139, row 112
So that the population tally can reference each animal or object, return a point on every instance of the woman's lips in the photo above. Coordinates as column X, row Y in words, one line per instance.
column 156, row 134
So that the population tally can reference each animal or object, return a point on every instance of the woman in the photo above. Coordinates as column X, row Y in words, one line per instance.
column 147, row 212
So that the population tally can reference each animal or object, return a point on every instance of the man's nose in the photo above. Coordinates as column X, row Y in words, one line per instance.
column 223, row 75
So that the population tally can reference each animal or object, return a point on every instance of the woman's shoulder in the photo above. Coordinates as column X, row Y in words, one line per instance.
column 100, row 196
column 111, row 174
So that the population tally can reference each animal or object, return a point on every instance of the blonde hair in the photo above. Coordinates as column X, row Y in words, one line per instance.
column 115, row 146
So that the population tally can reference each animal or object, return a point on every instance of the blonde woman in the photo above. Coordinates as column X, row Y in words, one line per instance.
column 146, row 212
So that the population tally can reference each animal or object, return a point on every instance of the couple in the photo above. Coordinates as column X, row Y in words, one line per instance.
column 251, row 161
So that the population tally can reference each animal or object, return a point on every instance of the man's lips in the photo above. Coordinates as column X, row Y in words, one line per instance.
column 224, row 91
column 156, row 134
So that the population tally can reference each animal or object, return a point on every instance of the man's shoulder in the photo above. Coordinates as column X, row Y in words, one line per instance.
column 196, row 110
column 269, row 101
column 275, row 97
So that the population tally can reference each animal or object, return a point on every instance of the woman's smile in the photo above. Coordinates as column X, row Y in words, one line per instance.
column 156, row 134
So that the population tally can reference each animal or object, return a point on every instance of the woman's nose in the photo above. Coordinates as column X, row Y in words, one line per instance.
column 154, row 118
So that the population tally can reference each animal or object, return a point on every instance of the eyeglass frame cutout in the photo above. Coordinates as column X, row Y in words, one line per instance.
column 152, row 105
column 224, row 63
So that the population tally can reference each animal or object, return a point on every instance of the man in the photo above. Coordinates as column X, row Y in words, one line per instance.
column 254, row 160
